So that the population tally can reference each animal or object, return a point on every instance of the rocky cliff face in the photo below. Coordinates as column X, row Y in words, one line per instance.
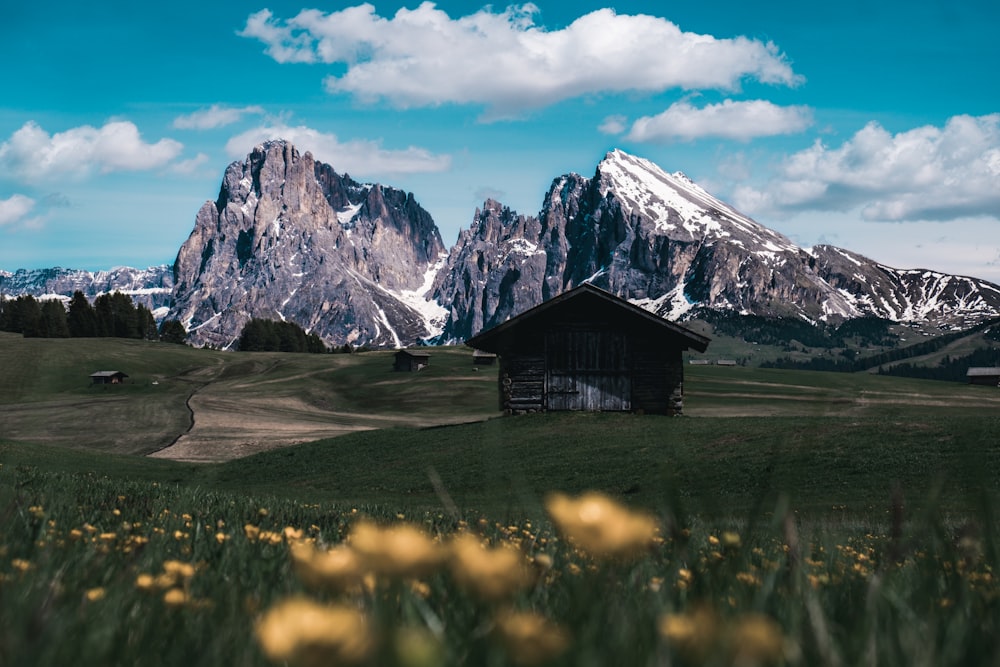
column 663, row 242
column 290, row 239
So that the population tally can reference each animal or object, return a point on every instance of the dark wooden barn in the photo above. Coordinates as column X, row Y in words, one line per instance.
column 411, row 361
column 108, row 377
column 587, row 349
column 985, row 376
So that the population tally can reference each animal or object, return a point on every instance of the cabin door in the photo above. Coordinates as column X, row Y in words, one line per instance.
column 587, row 370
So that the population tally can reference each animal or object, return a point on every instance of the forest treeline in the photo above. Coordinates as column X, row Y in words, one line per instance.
column 950, row 368
column 262, row 335
column 111, row 316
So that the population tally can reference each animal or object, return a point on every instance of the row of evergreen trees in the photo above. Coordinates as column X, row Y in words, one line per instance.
column 260, row 335
column 111, row 315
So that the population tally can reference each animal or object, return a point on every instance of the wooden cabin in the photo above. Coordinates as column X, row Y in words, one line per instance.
column 411, row 361
column 108, row 377
column 587, row 349
column 480, row 358
column 984, row 376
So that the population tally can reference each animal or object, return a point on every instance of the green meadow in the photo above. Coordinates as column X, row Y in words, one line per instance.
column 801, row 518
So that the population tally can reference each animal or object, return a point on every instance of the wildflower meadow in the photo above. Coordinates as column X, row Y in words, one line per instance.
column 96, row 570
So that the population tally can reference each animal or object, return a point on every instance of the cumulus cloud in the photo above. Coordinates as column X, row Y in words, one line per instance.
column 31, row 154
column 927, row 173
column 356, row 157
column 15, row 209
column 728, row 120
column 215, row 116
column 503, row 60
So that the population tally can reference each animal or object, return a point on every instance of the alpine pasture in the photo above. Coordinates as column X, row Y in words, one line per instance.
column 260, row 509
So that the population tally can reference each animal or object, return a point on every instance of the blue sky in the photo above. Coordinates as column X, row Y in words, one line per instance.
column 871, row 126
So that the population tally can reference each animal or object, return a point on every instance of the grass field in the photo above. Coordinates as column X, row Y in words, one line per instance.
column 800, row 518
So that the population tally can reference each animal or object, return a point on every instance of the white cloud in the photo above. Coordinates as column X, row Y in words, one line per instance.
column 32, row 155
column 354, row 157
column 15, row 209
column 214, row 116
column 927, row 173
column 423, row 57
column 729, row 120
column 190, row 166
column 613, row 125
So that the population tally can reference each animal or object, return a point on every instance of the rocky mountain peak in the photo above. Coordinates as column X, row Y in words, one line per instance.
column 289, row 238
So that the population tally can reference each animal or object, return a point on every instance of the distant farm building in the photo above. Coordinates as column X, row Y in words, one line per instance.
column 480, row 358
column 411, row 361
column 984, row 376
column 108, row 377
column 587, row 349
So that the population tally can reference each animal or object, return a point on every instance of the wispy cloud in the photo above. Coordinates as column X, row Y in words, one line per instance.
column 31, row 154
column 215, row 116
column 15, row 209
column 927, row 173
column 503, row 60
column 741, row 121
column 190, row 166
column 616, row 124
column 356, row 157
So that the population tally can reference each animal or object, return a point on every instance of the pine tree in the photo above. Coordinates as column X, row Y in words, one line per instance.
column 172, row 331
column 28, row 317
column 145, row 323
column 82, row 319
column 53, row 322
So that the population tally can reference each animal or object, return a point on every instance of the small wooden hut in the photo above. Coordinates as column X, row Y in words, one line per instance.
column 984, row 376
column 108, row 377
column 587, row 349
column 407, row 360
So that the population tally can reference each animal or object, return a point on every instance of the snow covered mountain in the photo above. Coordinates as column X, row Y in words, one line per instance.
column 152, row 287
column 663, row 242
column 290, row 239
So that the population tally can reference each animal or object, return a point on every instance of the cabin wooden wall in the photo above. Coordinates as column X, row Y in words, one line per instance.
column 592, row 370
column 522, row 382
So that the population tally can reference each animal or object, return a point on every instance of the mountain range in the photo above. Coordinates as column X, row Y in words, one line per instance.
column 288, row 238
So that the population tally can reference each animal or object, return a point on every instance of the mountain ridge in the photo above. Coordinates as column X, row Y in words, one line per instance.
column 362, row 263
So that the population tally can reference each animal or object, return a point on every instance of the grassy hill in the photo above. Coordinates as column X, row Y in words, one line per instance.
column 800, row 518
column 266, row 420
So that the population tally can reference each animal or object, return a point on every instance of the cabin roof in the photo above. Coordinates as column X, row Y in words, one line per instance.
column 594, row 299
column 107, row 374
column 982, row 372
column 415, row 355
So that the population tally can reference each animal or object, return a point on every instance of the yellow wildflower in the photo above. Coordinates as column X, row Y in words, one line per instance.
column 178, row 569
column 531, row 639
column 94, row 594
column 490, row 574
column 304, row 632
column 402, row 551
column 221, row 537
column 145, row 582
column 692, row 634
column 251, row 531
column 21, row 565
column 417, row 648
column 601, row 526
column 756, row 640
column 175, row 597
column 334, row 569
